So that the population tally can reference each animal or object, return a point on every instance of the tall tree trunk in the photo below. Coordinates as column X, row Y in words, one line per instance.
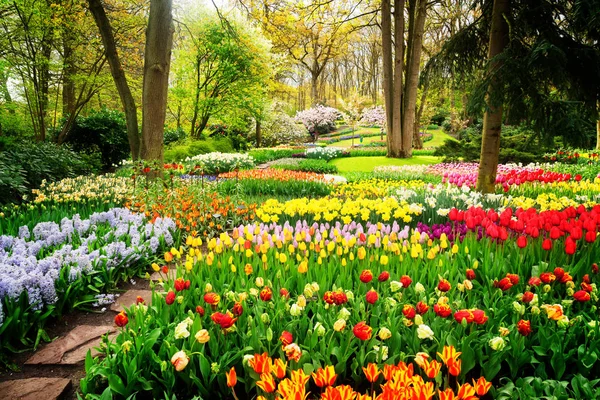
column 258, row 133
column 388, row 69
column 44, row 87
column 314, row 88
column 417, row 141
column 395, row 144
column 116, row 69
column 157, row 62
column 68, row 89
column 412, row 78
column 492, row 119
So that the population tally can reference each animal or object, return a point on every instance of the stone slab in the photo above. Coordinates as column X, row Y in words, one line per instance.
column 128, row 299
column 72, row 348
column 34, row 388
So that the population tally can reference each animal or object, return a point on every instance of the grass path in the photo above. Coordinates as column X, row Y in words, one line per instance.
column 439, row 137
column 367, row 164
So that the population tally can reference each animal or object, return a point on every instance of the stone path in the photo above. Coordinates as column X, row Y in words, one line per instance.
column 61, row 362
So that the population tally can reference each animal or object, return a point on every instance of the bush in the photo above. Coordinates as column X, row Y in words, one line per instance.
column 316, row 166
column 193, row 148
column 319, row 119
column 172, row 135
column 223, row 145
column 432, row 127
column 25, row 165
column 373, row 116
column 262, row 156
column 279, row 128
column 439, row 117
column 104, row 131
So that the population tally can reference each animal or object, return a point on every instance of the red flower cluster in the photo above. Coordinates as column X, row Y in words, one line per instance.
column 474, row 315
column 338, row 297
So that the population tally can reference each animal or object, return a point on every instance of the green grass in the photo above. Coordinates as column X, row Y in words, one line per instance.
column 367, row 164
column 439, row 137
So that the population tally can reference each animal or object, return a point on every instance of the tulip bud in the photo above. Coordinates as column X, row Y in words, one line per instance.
column 418, row 319
column 319, row 329
column 497, row 343
column 547, row 288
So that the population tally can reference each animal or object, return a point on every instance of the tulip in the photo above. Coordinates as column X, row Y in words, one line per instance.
column 527, row 297
column 432, row 369
column 266, row 294
column 231, row 377
column 339, row 325
column 212, row 298
column 200, row 310
column 442, row 310
column 470, row 274
column 582, row 296
column 139, row 300
column 384, row 276
column 371, row 372
column 324, row 377
column 202, row 336
column 179, row 284
column 237, row 309
column 266, row 383
column 422, row 308
column 522, row 242
column 362, row 331
column 424, row 332
column 447, row 394
column 293, row 352
column 524, row 327
column 170, row 299
column 121, row 319
column 366, row 276
column 481, row 386
column 371, row 296
column 180, row 360
column 224, row 320
column 280, row 367
column 384, row 333
column 405, row 281
column 286, row 338
column 444, row 285
column 409, row 311
column 261, row 363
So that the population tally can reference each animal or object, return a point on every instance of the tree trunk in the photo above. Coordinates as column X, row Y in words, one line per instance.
column 258, row 133
column 417, row 142
column 157, row 62
column 68, row 89
column 314, row 91
column 492, row 119
column 395, row 149
column 44, row 87
column 388, row 68
column 412, row 79
column 116, row 69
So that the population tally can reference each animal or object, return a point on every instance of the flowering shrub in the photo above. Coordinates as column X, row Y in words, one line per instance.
column 319, row 119
column 279, row 128
column 50, row 268
column 373, row 116
column 214, row 163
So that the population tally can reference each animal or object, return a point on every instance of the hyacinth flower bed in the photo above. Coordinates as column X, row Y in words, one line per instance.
column 342, row 297
column 54, row 267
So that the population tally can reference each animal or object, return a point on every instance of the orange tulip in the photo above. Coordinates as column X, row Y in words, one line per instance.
column 261, row 363
column 448, row 353
column 299, row 377
column 343, row 392
column 280, row 368
column 266, row 383
column 447, row 394
column 466, row 392
column 365, row 397
column 168, row 256
column 231, row 377
column 432, row 369
column 371, row 372
column 481, row 386
column 324, row 377
column 454, row 366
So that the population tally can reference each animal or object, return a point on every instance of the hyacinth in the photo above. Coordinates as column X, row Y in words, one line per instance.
column 318, row 118
column 33, row 262
column 373, row 116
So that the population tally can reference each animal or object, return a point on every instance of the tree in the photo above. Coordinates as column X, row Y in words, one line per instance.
column 157, row 61
column 492, row 119
column 401, row 99
column 118, row 74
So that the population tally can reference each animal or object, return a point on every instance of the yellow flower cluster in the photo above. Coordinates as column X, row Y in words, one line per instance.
column 332, row 208
column 546, row 202
column 374, row 187
column 109, row 188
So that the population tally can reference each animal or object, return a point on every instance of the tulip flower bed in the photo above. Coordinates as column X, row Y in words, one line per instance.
column 55, row 267
column 327, row 300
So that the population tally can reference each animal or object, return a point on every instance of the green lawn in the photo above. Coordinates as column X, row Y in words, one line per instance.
column 367, row 164
column 439, row 137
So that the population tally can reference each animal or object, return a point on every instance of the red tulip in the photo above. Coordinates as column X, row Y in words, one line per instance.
column 200, row 310
column 366, row 276
column 121, row 319
column 527, row 297
column 371, row 296
column 409, row 311
column 179, row 284
column 237, row 309
column 547, row 244
column 422, row 308
column 581, row 296
column 522, row 242
column 442, row 310
column 170, row 299
column 362, row 331
column 224, row 320
column 570, row 246
column 535, row 281
column 266, row 294
column 405, row 281
column 470, row 274
column 384, row 276
column 286, row 338
column 444, row 285
column 524, row 327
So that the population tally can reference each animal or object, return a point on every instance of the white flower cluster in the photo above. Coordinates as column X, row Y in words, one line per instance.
column 217, row 162
column 324, row 153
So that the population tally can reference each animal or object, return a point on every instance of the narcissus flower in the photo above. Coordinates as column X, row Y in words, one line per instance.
column 180, row 360
column 324, row 377
column 121, row 319
column 231, row 377
column 362, row 331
